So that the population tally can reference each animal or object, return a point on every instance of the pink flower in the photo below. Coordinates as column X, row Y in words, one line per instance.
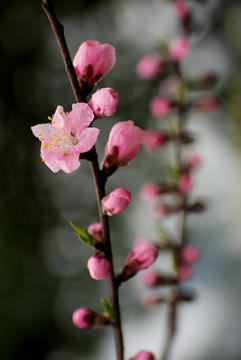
column 150, row 300
column 160, row 106
column 185, row 271
column 127, row 139
column 117, row 201
column 143, row 255
column 190, row 253
column 207, row 104
column 182, row 8
column 149, row 66
column 95, row 231
column 85, row 318
column 150, row 190
column 151, row 278
column 194, row 159
column 101, row 57
column 66, row 137
column 179, row 48
column 185, row 183
column 104, row 102
column 99, row 267
column 144, row 355
column 155, row 139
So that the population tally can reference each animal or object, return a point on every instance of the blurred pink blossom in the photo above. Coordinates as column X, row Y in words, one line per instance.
column 179, row 48
column 150, row 190
column 190, row 253
column 156, row 138
column 66, row 137
column 160, row 106
column 207, row 104
column 149, row 66
column 182, row 8
column 144, row 355
column 104, row 102
column 185, row 271
column 185, row 183
column 150, row 278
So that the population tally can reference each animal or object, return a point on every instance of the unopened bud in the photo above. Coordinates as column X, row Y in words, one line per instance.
column 144, row 355
column 85, row 318
column 99, row 267
column 116, row 202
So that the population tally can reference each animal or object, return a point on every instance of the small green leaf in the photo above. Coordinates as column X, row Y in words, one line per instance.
column 173, row 172
column 108, row 309
column 164, row 238
column 83, row 235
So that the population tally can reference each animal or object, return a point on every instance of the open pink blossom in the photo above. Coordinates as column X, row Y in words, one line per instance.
column 179, row 48
column 95, row 230
column 150, row 190
column 126, row 139
column 182, row 8
column 116, row 202
column 99, row 267
column 104, row 102
column 144, row 355
column 149, row 66
column 100, row 56
column 160, row 106
column 66, row 137
column 156, row 138
column 85, row 318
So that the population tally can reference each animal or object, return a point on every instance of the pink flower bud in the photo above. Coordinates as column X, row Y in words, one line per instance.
column 150, row 190
column 85, row 318
column 161, row 209
column 148, row 300
column 104, row 102
column 100, row 56
column 182, row 8
column 95, row 231
column 179, row 48
column 143, row 255
column 155, row 139
column 149, row 66
column 185, row 271
column 160, row 106
column 99, row 267
column 150, row 278
column 185, row 183
column 193, row 160
column 144, row 355
column 126, row 138
column 117, row 201
column 207, row 104
column 190, row 253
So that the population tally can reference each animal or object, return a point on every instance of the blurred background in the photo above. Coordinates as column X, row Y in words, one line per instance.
column 42, row 263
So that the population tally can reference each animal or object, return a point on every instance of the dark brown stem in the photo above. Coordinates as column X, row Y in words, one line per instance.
column 99, row 179
column 58, row 30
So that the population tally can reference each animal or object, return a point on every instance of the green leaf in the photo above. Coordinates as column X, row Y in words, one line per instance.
column 108, row 309
column 173, row 172
column 164, row 238
column 83, row 235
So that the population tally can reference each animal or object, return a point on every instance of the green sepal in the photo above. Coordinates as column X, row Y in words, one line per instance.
column 83, row 235
column 164, row 239
column 108, row 309
column 173, row 172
